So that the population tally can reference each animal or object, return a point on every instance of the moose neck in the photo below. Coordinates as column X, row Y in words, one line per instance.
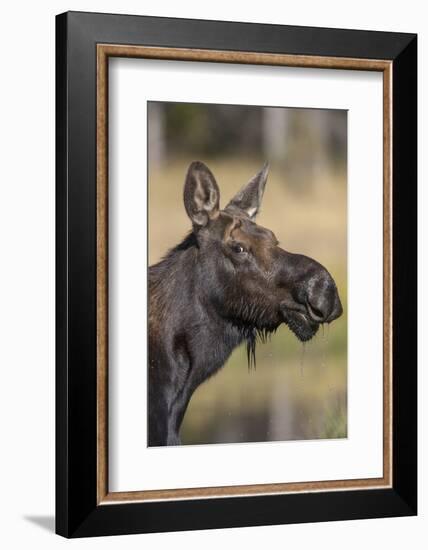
column 188, row 339
column 180, row 300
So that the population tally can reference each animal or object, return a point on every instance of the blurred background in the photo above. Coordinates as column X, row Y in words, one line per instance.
column 297, row 391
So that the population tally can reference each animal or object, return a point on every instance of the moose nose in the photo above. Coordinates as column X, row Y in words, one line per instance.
column 322, row 300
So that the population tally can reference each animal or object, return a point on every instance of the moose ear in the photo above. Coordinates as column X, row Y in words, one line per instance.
column 249, row 198
column 201, row 194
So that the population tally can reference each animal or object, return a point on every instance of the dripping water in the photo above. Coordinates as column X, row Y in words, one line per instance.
column 302, row 360
column 323, row 348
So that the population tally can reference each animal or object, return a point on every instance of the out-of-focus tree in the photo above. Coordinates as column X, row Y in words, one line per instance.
column 305, row 143
column 156, row 135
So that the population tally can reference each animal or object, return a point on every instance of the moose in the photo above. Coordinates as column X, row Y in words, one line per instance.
column 228, row 282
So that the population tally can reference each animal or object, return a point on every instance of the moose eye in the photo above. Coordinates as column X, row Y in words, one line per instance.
column 238, row 248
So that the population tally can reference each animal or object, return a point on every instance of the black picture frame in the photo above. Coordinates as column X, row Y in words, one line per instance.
column 77, row 511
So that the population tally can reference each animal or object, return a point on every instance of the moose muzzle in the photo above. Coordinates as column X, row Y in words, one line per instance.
column 311, row 296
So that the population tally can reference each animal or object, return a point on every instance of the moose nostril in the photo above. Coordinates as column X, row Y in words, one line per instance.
column 317, row 311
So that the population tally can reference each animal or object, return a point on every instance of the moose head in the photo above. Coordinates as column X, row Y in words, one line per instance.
column 228, row 282
column 257, row 284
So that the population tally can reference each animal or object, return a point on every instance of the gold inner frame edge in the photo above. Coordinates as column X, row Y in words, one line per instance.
column 104, row 51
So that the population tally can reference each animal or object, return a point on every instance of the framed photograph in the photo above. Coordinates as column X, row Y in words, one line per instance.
column 236, row 274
